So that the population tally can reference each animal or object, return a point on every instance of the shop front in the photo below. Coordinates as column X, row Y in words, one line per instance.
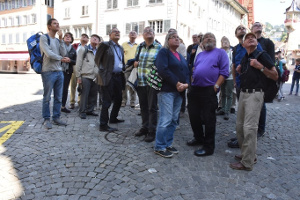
column 14, row 62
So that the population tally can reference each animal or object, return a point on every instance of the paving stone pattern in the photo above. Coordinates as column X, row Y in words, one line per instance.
column 80, row 162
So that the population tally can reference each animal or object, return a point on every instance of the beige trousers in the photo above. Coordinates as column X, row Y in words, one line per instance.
column 73, row 86
column 248, row 113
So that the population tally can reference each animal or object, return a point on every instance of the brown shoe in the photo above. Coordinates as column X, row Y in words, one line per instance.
column 72, row 106
column 239, row 166
column 239, row 158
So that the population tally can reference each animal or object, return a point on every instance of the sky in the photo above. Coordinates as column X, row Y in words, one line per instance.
column 271, row 11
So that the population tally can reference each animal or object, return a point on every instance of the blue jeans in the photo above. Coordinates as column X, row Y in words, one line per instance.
column 169, row 107
column 52, row 81
column 295, row 80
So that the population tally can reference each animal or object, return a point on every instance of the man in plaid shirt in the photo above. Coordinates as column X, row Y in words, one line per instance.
column 147, row 95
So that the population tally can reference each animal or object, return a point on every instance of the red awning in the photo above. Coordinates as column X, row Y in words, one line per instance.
column 14, row 56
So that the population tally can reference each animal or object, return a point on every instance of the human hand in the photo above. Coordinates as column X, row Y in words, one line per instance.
column 59, row 33
column 79, row 80
column 238, row 69
column 254, row 63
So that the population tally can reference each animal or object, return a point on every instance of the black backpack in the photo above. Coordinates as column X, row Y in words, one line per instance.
column 271, row 87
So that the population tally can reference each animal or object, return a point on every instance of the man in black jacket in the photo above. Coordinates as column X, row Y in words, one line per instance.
column 110, row 60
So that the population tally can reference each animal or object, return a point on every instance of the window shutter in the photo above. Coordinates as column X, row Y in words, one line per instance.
column 167, row 25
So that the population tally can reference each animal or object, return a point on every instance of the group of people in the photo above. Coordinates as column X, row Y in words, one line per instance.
column 203, row 70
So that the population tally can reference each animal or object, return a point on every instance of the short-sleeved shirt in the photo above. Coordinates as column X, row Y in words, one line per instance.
column 296, row 74
column 252, row 78
column 238, row 54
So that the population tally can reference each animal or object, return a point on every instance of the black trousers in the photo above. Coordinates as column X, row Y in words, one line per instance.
column 67, row 78
column 148, row 104
column 88, row 98
column 202, row 104
column 111, row 93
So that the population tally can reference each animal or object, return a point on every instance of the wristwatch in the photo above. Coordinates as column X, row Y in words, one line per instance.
column 217, row 86
column 262, row 69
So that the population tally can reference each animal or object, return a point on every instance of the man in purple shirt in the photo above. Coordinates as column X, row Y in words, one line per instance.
column 210, row 71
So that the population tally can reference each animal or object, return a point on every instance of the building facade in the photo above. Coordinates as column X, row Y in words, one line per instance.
column 292, row 23
column 187, row 16
column 19, row 19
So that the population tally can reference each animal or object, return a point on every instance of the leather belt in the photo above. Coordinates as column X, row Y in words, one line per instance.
column 252, row 90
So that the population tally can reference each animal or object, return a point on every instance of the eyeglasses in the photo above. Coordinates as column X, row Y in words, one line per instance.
column 115, row 31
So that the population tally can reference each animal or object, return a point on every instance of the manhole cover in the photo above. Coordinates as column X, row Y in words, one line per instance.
column 124, row 137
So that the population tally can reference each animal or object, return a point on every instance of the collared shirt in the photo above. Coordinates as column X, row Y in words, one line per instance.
column 240, row 52
column 92, row 49
column 129, row 50
column 146, row 60
column 117, row 57
column 131, row 44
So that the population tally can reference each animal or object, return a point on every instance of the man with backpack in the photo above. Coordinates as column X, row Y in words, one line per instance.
column 238, row 53
column 254, row 70
column 54, row 53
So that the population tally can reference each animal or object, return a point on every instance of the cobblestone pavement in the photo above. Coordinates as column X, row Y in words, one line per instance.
column 80, row 162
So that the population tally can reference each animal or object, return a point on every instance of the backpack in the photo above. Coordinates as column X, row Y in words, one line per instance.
column 36, row 58
column 285, row 76
column 271, row 87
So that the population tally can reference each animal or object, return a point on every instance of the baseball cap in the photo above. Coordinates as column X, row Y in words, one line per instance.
column 250, row 33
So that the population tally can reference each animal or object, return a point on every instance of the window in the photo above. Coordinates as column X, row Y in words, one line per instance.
column 25, row 20
column 4, row 23
column 10, row 39
column 17, row 38
column 156, row 26
column 9, row 5
column 112, row 4
column 18, row 21
column 109, row 27
column 132, row 27
column 67, row 12
column 33, row 18
column 79, row 30
column 10, row 21
column 132, row 3
column 141, row 27
column 155, row 1
column 3, row 39
column 24, row 37
column 85, row 10
column 167, row 25
column 49, row 3
column 160, row 26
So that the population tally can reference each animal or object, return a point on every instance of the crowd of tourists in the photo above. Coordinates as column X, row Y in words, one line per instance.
column 192, row 77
